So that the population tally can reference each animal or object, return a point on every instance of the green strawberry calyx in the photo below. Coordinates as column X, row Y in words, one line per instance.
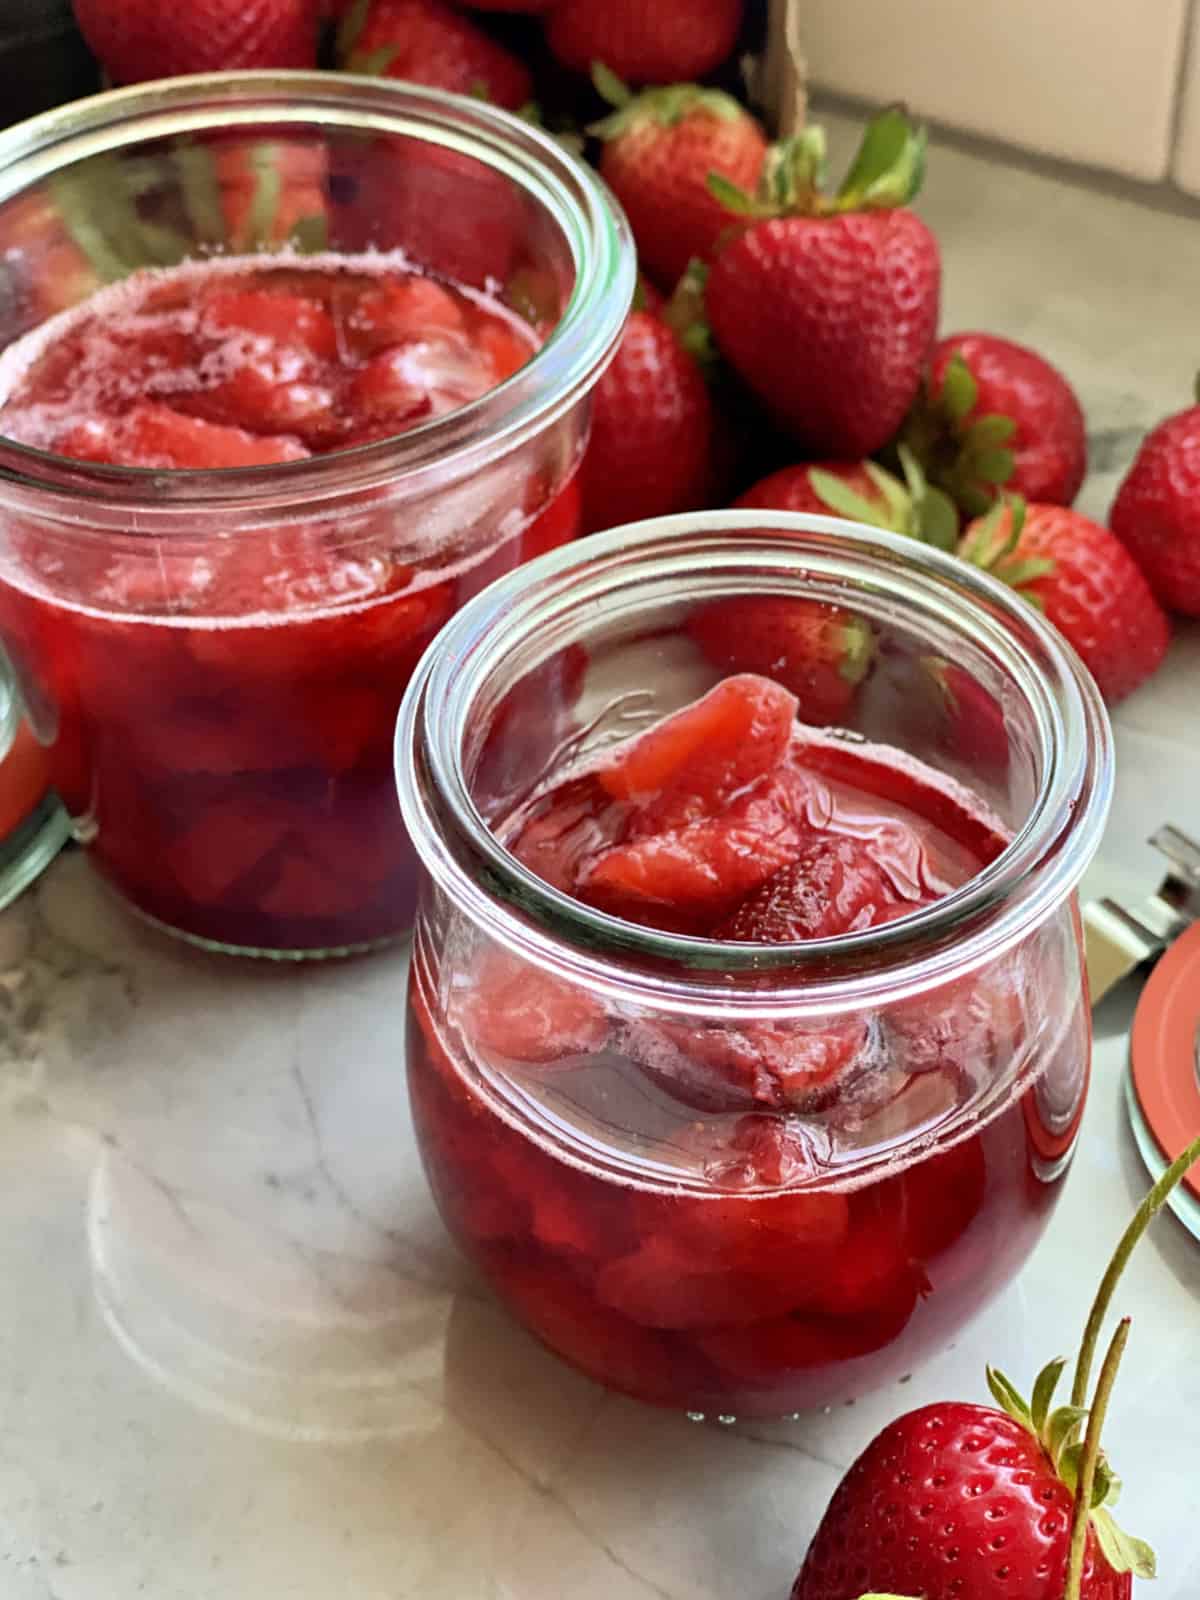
column 992, row 543
column 969, row 457
column 886, row 172
column 686, row 316
column 663, row 107
column 913, row 507
column 1070, row 1434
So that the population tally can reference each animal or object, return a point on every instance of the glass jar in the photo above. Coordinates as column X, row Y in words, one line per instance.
column 224, row 750
column 720, row 1255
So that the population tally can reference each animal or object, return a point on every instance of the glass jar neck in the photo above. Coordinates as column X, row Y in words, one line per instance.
column 546, row 606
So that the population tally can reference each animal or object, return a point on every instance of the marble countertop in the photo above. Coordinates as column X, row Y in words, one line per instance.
column 238, row 1356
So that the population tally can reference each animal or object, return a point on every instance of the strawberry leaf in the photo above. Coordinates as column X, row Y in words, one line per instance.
column 310, row 234
column 985, row 432
column 840, row 497
column 959, row 392
column 1121, row 1550
column 375, row 63
column 938, row 519
column 350, row 28
column 1043, row 1393
column 609, row 87
column 993, row 466
column 897, row 498
column 735, row 199
column 889, row 166
column 1062, row 1427
column 1007, row 1398
column 1102, row 1480
column 200, row 191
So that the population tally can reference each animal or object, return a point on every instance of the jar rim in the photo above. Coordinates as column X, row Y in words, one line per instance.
column 976, row 922
column 455, row 444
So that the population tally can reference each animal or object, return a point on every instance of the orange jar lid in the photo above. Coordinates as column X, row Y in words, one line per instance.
column 1164, row 1068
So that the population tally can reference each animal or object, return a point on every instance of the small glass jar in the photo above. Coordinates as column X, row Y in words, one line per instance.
column 726, row 1259
column 228, row 765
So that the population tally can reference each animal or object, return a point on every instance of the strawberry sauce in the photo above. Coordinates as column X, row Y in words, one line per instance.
column 731, row 1216
column 218, row 709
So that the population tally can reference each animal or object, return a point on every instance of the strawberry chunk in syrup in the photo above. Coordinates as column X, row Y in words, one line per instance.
column 691, row 763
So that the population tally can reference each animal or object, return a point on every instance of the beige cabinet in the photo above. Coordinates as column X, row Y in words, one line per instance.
column 1094, row 81
column 1187, row 152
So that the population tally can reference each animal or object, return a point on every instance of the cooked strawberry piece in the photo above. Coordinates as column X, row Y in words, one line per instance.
column 939, row 1197
column 663, row 1285
column 792, row 1235
column 767, row 1352
column 513, row 1009
column 692, row 763
column 305, row 888
column 605, row 1346
column 820, row 652
column 706, row 867
column 720, row 1067
column 387, row 388
column 157, row 436
column 256, row 396
column 397, row 310
column 273, row 315
column 222, row 846
column 832, row 887
column 874, row 1265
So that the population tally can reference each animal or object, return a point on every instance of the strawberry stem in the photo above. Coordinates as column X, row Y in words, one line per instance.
column 1089, row 1459
column 1142, row 1218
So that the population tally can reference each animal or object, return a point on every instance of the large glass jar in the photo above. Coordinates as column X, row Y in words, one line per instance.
column 224, row 746
column 729, row 1258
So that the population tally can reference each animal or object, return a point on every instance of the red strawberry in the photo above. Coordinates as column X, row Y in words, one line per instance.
column 827, row 307
column 820, row 652
column 1085, row 581
column 651, row 430
column 660, row 43
column 862, row 492
column 659, row 149
column 530, row 6
column 426, row 42
column 137, row 39
column 1156, row 514
column 968, row 1502
column 996, row 413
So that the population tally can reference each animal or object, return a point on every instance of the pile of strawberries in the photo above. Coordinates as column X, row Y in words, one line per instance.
column 783, row 352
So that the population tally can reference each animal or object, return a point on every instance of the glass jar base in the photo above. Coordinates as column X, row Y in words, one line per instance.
column 222, row 947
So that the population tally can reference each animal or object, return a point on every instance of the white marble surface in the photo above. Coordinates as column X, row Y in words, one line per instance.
column 238, row 1357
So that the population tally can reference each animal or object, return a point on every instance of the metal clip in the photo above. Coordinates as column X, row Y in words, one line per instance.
column 1119, row 939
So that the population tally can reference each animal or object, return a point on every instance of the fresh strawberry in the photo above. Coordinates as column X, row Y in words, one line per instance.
column 994, row 414
column 652, row 426
column 827, row 306
column 971, row 725
column 661, row 43
column 862, row 492
column 820, row 652
column 834, row 886
column 970, row 1502
column 426, row 42
column 1085, row 581
column 532, row 7
column 138, row 39
column 659, row 150
column 1156, row 514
